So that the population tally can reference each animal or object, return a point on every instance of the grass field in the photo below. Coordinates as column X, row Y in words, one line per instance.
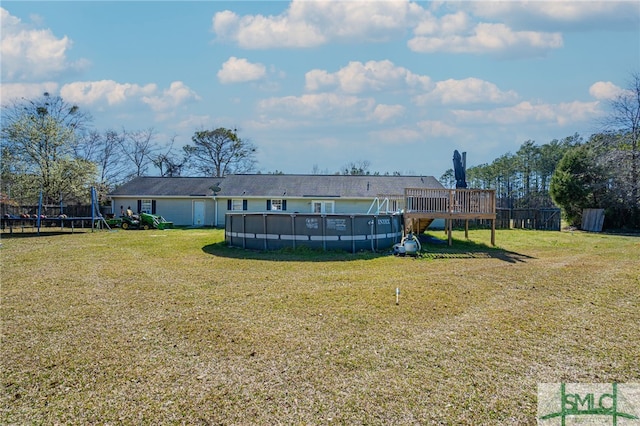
column 170, row 327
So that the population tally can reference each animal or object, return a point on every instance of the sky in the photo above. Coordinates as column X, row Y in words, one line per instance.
column 318, row 85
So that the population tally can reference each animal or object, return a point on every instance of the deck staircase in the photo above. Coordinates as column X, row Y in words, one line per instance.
column 417, row 225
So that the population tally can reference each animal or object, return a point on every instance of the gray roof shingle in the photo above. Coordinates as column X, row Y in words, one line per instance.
column 345, row 186
column 263, row 185
column 168, row 186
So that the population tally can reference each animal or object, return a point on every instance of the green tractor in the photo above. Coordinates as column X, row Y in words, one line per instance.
column 142, row 221
column 153, row 221
column 129, row 222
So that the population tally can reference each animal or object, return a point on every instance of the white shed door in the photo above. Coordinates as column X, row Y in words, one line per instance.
column 198, row 213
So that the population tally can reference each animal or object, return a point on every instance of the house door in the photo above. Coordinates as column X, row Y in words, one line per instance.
column 198, row 213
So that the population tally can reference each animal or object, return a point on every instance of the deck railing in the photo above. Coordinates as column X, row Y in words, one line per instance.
column 450, row 201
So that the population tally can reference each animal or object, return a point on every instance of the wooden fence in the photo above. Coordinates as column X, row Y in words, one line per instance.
column 541, row 219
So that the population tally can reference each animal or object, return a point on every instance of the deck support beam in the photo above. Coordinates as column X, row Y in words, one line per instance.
column 493, row 232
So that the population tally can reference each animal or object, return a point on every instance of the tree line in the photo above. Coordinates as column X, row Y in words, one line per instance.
column 574, row 174
column 49, row 147
column 521, row 180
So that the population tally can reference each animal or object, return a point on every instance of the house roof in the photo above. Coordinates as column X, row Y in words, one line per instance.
column 168, row 187
column 345, row 186
column 277, row 186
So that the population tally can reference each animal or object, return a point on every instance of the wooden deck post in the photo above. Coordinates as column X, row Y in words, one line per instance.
column 493, row 232
column 449, row 229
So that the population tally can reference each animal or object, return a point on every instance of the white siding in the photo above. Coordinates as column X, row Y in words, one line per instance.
column 296, row 205
column 176, row 210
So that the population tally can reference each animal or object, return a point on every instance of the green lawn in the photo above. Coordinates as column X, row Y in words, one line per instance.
column 164, row 327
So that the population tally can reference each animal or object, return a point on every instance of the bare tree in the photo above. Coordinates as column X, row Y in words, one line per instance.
column 104, row 149
column 626, row 116
column 315, row 170
column 139, row 149
column 623, row 142
column 357, row 168
column 168, row 162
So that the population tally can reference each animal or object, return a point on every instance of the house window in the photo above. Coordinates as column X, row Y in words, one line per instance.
column 237, row 204
column 277, row 205
column 322, row 206
column 146, row 206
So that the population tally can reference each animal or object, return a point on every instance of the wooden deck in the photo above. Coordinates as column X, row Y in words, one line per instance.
column 423, row 205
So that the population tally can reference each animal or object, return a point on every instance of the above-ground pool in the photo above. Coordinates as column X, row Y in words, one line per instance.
column 348, row 232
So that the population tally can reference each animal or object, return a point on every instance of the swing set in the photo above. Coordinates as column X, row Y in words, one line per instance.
column 38, row 222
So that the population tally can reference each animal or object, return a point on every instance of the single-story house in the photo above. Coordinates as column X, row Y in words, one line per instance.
column 204, row 201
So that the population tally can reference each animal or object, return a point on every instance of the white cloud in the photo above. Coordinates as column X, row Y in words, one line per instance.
column 260, row 32
column 312, row 23
column 238, row 70
column 112, row 93
column 11, row 91
column 432, row 128
column 355, row 20
column 29, row 54
column 195, row 122
column 605, row 90
column 587, row 15
column 399, row 136
column 382, row 113
column 316, row 79
column 311, row 109
column 447, row 25
column 177, row 94
column 358, row 77
column 92, row 92
column 225, row 24
column 467, row 91
column 516, row 29
column 8, row 21
column 454, row 23
column 488, row 38
column 320, row 106
column 265, row 123
column 526, row 112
